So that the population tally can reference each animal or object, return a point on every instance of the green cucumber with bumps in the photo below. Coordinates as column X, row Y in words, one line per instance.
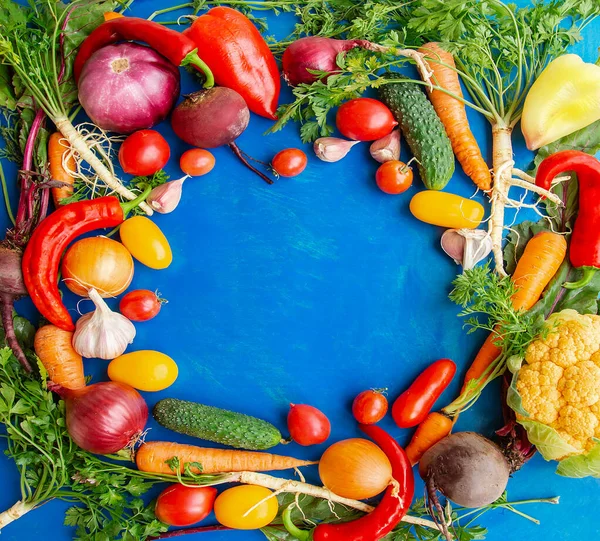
column 216, row 425
column 422, row 129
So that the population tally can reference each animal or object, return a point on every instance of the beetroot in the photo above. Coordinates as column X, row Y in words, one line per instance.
column 213, row 118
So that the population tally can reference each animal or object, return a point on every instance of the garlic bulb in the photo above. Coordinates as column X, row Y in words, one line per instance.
column 166, row 197
column 332, row 149
column 387, row 148
column 102, row 334
column 466, row 246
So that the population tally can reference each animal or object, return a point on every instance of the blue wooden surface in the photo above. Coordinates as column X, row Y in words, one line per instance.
column 310, row 291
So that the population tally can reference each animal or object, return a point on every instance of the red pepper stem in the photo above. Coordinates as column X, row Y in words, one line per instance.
column 588, row 275
column 130, row 205
column 301, row 535
column 192, row 59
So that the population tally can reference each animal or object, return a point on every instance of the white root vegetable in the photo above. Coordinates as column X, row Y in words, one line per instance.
column 63, row 124
column 14, row 513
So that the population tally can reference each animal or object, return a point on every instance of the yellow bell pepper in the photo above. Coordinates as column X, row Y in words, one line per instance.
column 446, row 210
column 564, row 98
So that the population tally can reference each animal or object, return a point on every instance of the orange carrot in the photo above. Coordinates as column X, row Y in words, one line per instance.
column 433, row 429
column 58, row 146
column 64, row 365
column 453, row 115
column 540, row 261
column 153, row 457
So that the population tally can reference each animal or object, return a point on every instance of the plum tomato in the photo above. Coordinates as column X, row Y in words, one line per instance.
column 140, row 305
column 144, row 153
column 394, row 177
column 369, row 407
column 289, row 162
column 196, row 162
column 180, row 505
column 308, row 425
column 364, row 119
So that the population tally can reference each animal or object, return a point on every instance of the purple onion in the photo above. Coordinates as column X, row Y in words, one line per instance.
column 317, row 53
column 128, row 87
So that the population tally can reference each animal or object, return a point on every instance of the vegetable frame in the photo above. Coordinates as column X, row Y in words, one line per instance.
column 177, row 48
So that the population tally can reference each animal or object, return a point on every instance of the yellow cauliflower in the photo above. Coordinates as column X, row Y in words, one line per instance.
column 559, row 384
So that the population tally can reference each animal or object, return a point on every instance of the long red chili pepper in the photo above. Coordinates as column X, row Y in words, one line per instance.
column 239, row 57
column 386, row 516
column 50, row 239
column 413, row 405
column 584, row 251
column 179, row 49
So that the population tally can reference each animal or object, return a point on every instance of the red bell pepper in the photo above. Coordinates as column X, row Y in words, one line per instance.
column 239, row 57
column 49, row 241
column 173, row 45
column 392, row 507
column 584, row 250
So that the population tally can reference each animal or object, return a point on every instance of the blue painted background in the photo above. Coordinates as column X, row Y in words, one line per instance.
column 310, row 291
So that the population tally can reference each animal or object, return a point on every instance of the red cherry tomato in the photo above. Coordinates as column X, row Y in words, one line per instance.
column 144, row 153
column 179, row 505
column 369, row 407
column 196, row 162
column 140, row 305
column 289, row 162
column 308, row 425
column 394, row 177
column 413, row 405
column 364, row 119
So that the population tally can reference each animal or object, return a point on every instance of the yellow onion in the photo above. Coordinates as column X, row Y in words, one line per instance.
column 355, row 468
column 97, row 263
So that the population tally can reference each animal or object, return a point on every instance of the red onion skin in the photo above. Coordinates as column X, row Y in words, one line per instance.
column 317, row 53
column 128, row 87
column 105, row 417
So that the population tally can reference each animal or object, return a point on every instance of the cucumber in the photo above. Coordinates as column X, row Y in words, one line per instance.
column 216, row 425
column 422, row 129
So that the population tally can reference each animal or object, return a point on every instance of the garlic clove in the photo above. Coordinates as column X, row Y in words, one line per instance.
column 466, row 247
column 102, row 334
column 332, row 149
column 387, row 148
column 166, row 197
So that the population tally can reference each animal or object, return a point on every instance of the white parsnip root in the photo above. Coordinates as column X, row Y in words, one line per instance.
column 297, row 487
column 14, row 513
column 65, row 126
column 504, row 180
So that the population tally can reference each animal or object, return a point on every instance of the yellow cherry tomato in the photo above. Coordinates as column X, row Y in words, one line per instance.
column 146, row 242
column 446, row 210
column 234, row 503
column 144, row 370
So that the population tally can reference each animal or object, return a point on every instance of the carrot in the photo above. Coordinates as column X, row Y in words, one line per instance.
column 153, row 456
column 453, row 115
column 64, row 365
column 58, row 146
column 433, row 429
column 540, row 261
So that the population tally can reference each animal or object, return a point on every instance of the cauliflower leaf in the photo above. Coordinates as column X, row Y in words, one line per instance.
column 547, row 440
column 578, row 466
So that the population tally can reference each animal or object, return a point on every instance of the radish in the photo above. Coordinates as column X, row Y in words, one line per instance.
column 213, row 118
column 468, row 469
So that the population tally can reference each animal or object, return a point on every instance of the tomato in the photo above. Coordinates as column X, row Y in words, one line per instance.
column 394, row 177
column 144, row 370
column 413, row 405
column 232, row 506
column 140, row 305
column 146, row 242
column 144, row 152
column 308, row 425
column 289, row 162
column 369, row 407
column 179, row 505
column 364, row 119
column 196, row 162
column 446, row 210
